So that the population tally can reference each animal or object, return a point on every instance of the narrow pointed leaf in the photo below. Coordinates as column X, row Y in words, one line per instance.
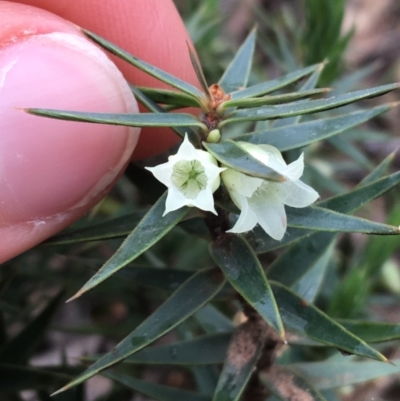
column 306, row 107
column 113, row 228
column 275, row 84
column 281, row 381
column 155, row 108
column 346, row 203
column 166, row 96
column 372, row 332
column 213, row 321
column 199, row 71
column 346, row 147
column 232, row 155
column 276, row 99
column 303, row 255
column 306, row 319
column 190, row 297
column 310, row 83
column 243, row 270
column 236, row 75
column 23, row 346
column 318, row 218
column 244, row 351
column 146, row 67
column 163, row 279
column 332, row 374
column 360, row 196
column 299, row 135
column 130, row 120
column 378, row 171
column 149, row 231
column 310, row 282
column 205, row 350
column 155, row 391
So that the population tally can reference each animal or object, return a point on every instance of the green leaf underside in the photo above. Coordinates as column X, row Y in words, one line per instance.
column 146, row 67
column 270, row 100
column 275, row 84
column 305, row 319
column 170, row 97
column 239, row 365
column 155, row 391
column 281, row 381
column 155, row 108
column 372, row 332
column 299, row 135
column 308, row 285
column 204, row 350
column 243, row 270
column 317, row 218
column 305, row 107
column 309, row 84
column 149, row 231
column 212, row 348
column 24, row 344
column 14, row 378
column 232, row 155
column 378, row 171
column 348, row 148
column 346, row 203
column 114, row 228
column 129, row 120
column 191, row 296
column 237, row 73
column 331, row 374
column 163, row 279
column 305, row 253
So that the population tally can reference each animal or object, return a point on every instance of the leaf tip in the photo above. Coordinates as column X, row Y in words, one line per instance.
column 62, row 389
column 77, row 295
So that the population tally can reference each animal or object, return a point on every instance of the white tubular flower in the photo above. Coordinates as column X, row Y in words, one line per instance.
column 262, row 201
column 192, row 176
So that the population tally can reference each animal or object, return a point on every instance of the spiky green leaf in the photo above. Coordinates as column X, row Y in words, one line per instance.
column 146, row 67
column 149, row 231
column 270, row 100
column 275, row 84
column 299, row 135
column 234, row 156
column 245, row 273
column 305, row 319
column 191, row 296
column 130, row 120
column 305, row 107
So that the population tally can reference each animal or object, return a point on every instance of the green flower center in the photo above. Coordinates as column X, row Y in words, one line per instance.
column 189, row 177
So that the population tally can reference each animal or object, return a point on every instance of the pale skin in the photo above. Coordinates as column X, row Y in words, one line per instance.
column 53, row 172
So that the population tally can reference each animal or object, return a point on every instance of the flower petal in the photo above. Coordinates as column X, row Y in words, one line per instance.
column 295, row 169
column 270, row 212
column 294, row 193
column 175, row 200
column 163, row 172
column 205, row 201
column 186, row 151
column 247, row 219
column 240, row 183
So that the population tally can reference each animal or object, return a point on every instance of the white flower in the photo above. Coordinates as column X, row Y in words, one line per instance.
column 192, row 176
column 262, row 201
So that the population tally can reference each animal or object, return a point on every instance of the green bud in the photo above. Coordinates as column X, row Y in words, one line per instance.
column 214, row 136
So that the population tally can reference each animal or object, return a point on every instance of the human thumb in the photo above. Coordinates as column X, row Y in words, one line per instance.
column 51, row 171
